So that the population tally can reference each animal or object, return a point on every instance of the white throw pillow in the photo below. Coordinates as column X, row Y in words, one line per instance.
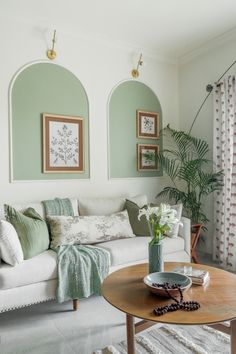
column 140, row 200
column 175, row 229
column 89, row 229
column 10, row 247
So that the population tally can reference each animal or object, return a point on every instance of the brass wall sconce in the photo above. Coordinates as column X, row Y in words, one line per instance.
column 135, row 72
column 51, row 54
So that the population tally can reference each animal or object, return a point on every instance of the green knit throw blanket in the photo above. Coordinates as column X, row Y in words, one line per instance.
column 81, row 269
column 58, row 206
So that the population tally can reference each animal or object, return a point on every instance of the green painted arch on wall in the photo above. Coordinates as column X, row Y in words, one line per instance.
column 36, row 89
column 125, row 100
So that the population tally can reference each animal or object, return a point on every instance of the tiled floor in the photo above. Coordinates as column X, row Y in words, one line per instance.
column 51, row 328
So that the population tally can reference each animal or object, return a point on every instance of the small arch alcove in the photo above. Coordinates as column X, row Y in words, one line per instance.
column 126, row 99
column 43, row 88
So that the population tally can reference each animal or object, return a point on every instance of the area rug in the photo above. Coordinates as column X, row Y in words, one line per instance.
column 175, row 340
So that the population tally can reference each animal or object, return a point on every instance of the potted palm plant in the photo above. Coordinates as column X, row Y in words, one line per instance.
column 190, row 171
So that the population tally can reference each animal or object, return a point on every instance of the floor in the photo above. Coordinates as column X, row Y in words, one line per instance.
column 52, row 328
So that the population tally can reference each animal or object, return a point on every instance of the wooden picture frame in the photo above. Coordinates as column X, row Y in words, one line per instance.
column 144, row 163
column 63, row 144
column 147, row 124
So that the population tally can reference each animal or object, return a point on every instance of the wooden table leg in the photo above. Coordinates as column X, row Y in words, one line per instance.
column 233, row 336
column 130, row 334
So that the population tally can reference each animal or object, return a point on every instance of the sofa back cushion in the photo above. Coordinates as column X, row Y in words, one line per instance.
column 100, row 206
column 38, row 207
column 89, row 229
column 107, row 206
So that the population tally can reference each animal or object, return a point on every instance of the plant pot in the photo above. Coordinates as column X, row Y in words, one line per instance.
column 155, row 253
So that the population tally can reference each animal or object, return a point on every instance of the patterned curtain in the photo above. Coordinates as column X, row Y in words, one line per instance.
column 225, row 159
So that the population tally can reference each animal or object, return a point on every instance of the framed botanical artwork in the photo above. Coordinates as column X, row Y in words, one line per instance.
column 147, row 125
column 63, row 145
column 147, row 157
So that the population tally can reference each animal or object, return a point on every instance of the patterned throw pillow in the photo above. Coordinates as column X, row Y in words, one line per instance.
column 89, row 229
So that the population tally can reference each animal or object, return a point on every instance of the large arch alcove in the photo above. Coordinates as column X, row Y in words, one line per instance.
column 125, row 100
column 39, row 88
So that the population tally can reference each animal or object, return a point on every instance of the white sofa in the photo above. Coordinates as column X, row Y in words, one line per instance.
column 35, row 280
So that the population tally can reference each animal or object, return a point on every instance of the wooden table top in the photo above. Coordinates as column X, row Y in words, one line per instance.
column 125, row 290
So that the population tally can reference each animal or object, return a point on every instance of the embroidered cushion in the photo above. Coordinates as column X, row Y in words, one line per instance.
column 89, row 229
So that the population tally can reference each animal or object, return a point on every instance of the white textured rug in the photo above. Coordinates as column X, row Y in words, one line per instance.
column 175, row 340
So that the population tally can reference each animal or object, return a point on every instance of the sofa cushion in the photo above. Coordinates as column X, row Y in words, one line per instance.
column 175, row 228
column 38, row 207
column 120, row 250
column 34, row 270
column 10, row 247
column 89, row 229
column 100, row 206
column 139, row 227
column 106, row 206
column 31, row 229
column 140, row 199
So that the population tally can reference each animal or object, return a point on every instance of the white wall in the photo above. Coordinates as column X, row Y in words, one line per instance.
column 194, row 75
column 99, row 67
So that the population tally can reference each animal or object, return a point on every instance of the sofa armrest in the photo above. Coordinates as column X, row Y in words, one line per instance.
column 185, row 232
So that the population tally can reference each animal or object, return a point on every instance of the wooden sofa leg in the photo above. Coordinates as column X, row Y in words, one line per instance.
column 75, row 304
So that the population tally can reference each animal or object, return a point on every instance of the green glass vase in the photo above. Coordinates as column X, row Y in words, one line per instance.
column 155, row 253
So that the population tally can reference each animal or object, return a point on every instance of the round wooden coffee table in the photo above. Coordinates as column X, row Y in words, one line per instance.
column 125, row 290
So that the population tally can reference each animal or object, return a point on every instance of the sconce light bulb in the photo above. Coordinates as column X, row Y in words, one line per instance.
column 135, row 73
column 51, row 54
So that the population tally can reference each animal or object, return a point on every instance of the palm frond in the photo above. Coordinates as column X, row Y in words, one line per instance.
column 173, row 194
column 189, row 173
column 170, row 166
column 201, row 147
column 210, row 182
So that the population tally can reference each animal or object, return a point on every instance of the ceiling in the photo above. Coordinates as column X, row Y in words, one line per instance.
column 170, row 28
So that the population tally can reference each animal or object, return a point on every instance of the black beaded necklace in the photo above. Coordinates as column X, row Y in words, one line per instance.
column 177, row 304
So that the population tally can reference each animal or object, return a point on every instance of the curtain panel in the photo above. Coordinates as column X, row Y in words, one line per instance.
column 225, row 159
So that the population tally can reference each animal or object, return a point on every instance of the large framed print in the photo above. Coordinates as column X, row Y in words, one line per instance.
column 63, row 145
column 147, row 157
column 147, row 125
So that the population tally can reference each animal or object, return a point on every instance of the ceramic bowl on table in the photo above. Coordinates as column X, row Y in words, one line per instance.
column 167, row 277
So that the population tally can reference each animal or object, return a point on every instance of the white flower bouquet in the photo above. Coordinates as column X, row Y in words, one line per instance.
column 160, row 220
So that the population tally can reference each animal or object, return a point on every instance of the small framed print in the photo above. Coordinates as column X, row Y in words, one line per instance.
column 147, row 157
column 63, row 145
column 147, row 125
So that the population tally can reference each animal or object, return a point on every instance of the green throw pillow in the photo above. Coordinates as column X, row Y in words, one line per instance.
column 139, row 227
column 31, row 229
